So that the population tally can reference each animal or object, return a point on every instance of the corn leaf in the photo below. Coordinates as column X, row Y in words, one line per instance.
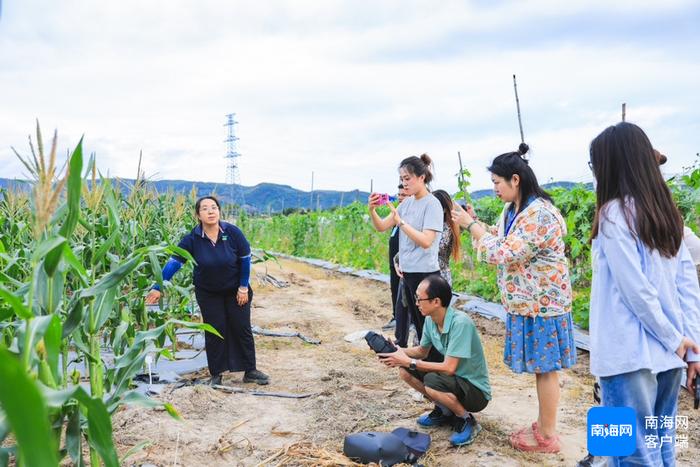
column 113, row 278
column 52, row 342
column 70, row 259
column 74, row 437
column 104, row 248
column 14, row 301
column 26, row 413
column 172, row 411
column 75, row 317
column 99, row 423
column 44, row 249
column 134, row 450
column 37, row 328
column 74, row 188
column 102, row 309
column 53, row 256
column 199, row 326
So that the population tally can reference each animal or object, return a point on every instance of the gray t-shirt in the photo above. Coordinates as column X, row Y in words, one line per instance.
column 423, row 214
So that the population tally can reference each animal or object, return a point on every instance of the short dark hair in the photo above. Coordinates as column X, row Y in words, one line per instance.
column 199, row 203
column 438, row 287
column 514, row 163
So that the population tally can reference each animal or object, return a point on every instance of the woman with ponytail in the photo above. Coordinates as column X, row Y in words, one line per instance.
column 420, row 221
column 527, row 246
column 645, row 300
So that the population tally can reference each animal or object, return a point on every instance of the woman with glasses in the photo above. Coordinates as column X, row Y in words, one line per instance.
column 528, row 248
column 419, row 222
column 221, row 285
column 645, row 299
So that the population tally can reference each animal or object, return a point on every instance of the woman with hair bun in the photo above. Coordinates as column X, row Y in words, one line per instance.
column 420, row 221
column 528, row 248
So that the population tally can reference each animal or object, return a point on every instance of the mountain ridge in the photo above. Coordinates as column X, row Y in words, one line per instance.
column 264, row 197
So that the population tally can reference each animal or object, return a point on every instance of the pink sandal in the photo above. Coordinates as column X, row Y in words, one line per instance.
column 519, row 441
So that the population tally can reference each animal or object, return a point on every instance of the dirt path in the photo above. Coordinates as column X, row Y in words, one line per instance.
column 356, row 392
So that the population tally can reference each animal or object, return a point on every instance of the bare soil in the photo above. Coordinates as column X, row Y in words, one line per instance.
column 355, row 392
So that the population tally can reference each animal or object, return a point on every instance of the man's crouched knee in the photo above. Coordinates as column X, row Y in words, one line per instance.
column 471, row 397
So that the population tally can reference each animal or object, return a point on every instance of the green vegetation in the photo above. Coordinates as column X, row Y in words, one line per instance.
column 346, row 236
column 78, row 253
column 76, row 258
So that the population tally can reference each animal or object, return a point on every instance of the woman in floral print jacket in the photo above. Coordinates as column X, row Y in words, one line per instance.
column 528, row 248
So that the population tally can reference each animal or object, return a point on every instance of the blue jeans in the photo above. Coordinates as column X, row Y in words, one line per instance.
column 649, row 395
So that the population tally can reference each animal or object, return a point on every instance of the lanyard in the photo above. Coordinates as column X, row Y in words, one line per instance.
column 511, row 212
column 510, row 218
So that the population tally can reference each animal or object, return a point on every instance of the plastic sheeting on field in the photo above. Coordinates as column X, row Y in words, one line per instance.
column 468, row 303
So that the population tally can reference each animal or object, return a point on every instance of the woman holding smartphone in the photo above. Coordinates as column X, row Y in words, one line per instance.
column 419, row 219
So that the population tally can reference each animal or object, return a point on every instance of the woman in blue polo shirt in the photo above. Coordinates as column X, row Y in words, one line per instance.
column 221, row 285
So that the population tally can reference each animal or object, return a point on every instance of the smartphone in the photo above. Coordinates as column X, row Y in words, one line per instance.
column 384, row 198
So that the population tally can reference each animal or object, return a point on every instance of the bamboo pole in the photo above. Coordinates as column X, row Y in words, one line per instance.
column 517, row 105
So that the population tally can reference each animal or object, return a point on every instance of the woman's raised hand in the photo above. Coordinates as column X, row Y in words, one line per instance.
column 373, row 201
column 394, row 214
column 460, row 216
column 153, row 297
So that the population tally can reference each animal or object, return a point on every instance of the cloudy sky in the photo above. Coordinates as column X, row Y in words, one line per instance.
column 346, row 88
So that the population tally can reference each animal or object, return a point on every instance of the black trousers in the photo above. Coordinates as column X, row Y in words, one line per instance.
column 412, row 314
column 393, row 277
column 236, row 351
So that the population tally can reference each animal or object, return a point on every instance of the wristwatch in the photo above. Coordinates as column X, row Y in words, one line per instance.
column 402, row 223
column 412, row 365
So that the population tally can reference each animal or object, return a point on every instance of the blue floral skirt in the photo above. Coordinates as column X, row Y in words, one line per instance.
column 539, row 345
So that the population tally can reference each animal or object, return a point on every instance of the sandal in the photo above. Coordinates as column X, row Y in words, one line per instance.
column 522, row 431
column 519, row 441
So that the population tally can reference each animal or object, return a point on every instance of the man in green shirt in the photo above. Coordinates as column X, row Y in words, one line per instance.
column 459, row 385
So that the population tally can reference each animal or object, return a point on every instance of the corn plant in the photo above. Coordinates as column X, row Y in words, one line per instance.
column 73, row 286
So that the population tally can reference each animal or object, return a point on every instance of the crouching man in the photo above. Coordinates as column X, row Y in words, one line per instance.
column 459, row 385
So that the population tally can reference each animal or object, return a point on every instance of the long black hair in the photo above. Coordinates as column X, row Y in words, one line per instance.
column 625, row 167
column 446, row 203
column 514, row 163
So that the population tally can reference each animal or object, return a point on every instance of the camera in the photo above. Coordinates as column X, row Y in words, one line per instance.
column 379, row 343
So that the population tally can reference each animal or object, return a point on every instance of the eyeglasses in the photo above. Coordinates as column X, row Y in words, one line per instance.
column 418, row 300
column 207, row 209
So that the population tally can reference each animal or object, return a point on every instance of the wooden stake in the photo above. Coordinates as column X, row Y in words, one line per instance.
column 624, row 111
column 517, row 104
